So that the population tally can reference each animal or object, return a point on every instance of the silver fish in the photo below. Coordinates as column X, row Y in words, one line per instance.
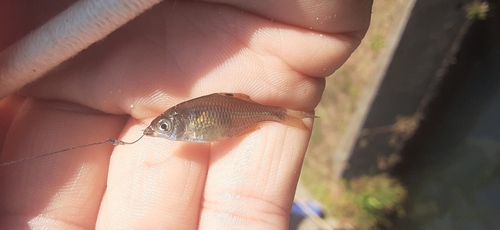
column 220, row 116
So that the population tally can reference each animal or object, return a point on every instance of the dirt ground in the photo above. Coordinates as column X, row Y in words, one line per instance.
column 341, row 96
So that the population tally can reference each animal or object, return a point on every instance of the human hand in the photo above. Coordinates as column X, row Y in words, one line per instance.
column 278, row 54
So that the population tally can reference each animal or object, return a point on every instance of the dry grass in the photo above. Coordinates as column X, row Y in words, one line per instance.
column 341, row 97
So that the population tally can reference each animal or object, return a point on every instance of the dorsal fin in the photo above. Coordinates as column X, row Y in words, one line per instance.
column 240, row 96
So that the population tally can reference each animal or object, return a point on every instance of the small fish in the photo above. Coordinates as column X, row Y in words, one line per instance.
column 209, row 118
column 219, row 116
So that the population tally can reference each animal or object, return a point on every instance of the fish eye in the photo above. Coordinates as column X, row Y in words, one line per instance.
column 164, row 125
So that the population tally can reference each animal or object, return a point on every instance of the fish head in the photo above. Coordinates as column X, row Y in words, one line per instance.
column 168, row 125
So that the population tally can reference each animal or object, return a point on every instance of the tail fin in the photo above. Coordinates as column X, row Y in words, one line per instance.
column 295, row 118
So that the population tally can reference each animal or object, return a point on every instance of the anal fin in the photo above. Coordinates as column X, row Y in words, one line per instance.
column 250, row 129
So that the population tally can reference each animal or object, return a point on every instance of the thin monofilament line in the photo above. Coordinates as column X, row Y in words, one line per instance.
column 110, row 140
column 51, row 153
column 119, row 142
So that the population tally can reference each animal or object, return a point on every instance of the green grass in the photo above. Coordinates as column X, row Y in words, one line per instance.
column 366, row 201
column 477, row 11
column 363, row 202
column 377, row 42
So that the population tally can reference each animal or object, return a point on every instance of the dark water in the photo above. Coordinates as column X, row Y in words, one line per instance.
column 452, row 166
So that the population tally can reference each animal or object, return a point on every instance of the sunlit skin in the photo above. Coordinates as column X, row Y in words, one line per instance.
column 277, row 52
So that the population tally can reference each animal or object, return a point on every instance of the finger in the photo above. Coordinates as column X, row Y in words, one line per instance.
column 200, row 48
column 251, row 182
column 154, row 184
column 330, row 16
column 58, row 191
column 8, row 110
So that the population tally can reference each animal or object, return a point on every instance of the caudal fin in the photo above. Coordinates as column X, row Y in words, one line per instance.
column 296, row 119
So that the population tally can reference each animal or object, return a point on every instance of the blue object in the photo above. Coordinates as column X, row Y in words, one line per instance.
column 314, row 206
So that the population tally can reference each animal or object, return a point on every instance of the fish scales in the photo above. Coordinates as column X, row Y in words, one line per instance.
column 226, row 117
column 215, row 117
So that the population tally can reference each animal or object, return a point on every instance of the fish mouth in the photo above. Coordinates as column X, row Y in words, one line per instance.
column 149, row 131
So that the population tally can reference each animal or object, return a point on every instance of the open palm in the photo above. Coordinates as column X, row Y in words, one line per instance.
column 278, row 52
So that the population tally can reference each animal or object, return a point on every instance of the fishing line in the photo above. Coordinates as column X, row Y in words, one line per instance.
column 113, row 141
column 116, row 142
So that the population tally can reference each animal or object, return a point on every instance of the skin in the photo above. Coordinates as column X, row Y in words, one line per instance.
column 174, row 52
